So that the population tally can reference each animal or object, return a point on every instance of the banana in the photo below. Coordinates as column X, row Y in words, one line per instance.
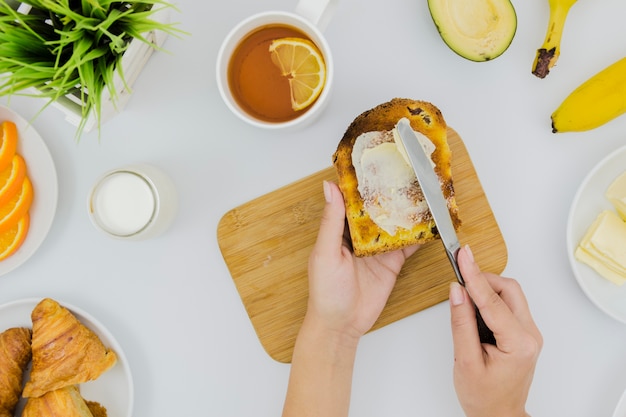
column 598, row 100
column 549, row 52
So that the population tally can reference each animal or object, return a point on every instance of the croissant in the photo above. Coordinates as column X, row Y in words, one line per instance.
column 97, row 409
column 64, row 402
column 15, row 354
column 65, row 352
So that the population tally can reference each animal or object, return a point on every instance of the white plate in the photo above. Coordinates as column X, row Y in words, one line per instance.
column 114, row 388
column 620, row 410
column 43, row 175
column 588, row 203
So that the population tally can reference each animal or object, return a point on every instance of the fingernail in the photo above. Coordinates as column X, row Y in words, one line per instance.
column 327, row 192
column 469, row 253
column 456, row 294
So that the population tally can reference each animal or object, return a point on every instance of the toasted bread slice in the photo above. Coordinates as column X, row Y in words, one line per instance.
column 385, row 207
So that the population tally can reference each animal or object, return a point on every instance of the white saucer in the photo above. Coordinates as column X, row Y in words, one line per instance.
column 588, row 203
column 620, row 409
column 113, row 389
column 43, row 175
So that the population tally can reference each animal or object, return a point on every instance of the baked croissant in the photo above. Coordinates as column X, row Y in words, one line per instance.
column 65, row 352
column 97, row 409
column 64, row 402
column 15, row 354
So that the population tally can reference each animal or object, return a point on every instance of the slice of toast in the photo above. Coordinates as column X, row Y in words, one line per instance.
column 385, row 207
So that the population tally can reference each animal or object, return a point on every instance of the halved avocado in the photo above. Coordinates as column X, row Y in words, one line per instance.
column 479, row 30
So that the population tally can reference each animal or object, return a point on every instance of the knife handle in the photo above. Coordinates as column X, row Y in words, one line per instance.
column 484, row 333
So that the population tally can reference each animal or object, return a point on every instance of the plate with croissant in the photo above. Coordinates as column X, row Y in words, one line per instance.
column 57, row 360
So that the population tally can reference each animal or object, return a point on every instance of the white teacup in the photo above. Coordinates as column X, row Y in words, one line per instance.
column 310, row 17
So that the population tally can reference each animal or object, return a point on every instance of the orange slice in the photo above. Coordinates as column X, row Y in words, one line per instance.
column 12, row 238
column 11, row 179
column 300, row 61
column 17, row 206
column 8, row 144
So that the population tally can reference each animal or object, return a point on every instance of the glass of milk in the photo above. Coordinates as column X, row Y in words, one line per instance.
column 134, row 203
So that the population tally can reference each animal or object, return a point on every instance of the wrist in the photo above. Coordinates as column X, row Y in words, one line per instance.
column 321, row 370
column 318, row 332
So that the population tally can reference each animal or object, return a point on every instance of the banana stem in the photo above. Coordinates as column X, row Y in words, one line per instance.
column 549, row 52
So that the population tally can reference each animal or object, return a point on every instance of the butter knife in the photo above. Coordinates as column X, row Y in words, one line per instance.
column 431, row 188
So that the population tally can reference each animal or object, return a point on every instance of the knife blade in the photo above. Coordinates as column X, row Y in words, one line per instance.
column 431, row 188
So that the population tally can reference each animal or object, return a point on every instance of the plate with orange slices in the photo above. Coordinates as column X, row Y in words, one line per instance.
column 28, row 190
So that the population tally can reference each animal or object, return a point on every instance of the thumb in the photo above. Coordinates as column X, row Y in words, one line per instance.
column 330, row 236
column 464, row 327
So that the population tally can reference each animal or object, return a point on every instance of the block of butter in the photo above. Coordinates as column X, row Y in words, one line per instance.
column 604, row 247
column 616, row 194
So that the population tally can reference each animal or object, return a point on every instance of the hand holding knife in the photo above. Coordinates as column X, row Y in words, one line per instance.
column 430, row 185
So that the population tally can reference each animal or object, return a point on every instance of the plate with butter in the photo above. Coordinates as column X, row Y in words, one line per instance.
column 596, row 235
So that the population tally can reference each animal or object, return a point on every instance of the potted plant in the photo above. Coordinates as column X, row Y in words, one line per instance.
column 80, row 55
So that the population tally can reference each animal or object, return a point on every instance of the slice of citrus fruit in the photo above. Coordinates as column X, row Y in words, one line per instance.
column 8, row 144
column 300, row 61
column 17, row 206
column 11, row 179
column 12, row 239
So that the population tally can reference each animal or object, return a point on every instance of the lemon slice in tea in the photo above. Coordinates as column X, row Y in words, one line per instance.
column 300, row 61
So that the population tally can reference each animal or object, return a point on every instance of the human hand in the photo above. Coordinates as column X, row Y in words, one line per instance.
column 347, row 293
column 492, row 380
column 346, row 296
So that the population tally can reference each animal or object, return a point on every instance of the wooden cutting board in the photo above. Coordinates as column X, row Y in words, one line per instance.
column 266, row 244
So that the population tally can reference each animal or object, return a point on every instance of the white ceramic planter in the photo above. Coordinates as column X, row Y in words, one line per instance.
column 133, row 62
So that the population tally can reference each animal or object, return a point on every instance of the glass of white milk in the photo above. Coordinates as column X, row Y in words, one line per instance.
column 134, row 203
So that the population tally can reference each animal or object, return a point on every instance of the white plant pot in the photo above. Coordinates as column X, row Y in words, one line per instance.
column 133, row 62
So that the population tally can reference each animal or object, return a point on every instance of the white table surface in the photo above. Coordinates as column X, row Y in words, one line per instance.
column 171, row 302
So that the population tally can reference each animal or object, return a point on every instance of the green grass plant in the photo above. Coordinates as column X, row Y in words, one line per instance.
column 72, row 47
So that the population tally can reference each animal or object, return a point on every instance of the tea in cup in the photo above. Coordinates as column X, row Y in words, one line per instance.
column 256, row 75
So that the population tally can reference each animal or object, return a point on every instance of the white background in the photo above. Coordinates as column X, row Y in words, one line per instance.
column 171, row 302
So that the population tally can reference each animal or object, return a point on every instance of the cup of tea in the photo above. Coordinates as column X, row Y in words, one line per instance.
column 255, row 75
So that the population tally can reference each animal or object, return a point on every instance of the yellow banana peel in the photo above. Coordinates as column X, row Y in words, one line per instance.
column 598, row 100
column 549, row 52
